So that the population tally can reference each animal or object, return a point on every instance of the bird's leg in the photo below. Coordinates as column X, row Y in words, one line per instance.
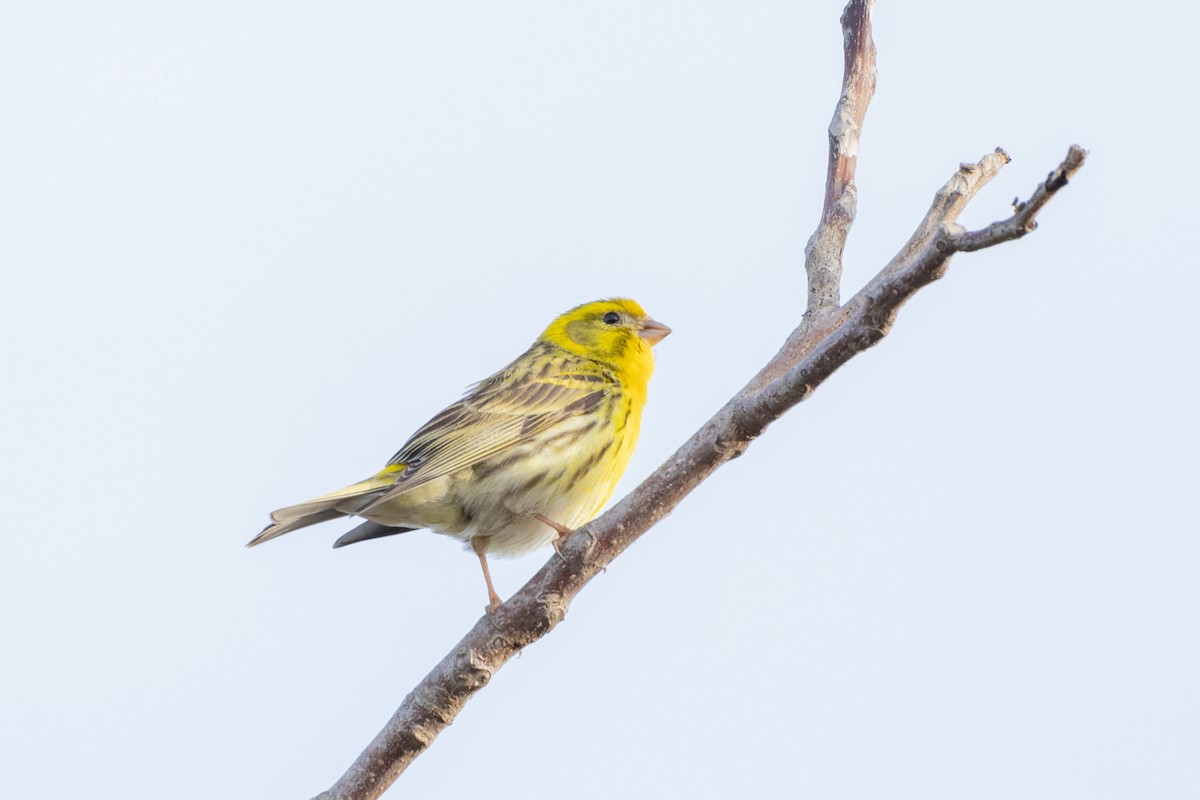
column 479, row 545
column 563, row 532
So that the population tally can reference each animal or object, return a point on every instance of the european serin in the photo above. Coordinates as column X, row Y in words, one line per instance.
column 526, row 456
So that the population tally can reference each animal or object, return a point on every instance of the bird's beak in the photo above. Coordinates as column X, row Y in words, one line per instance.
column 653, row 332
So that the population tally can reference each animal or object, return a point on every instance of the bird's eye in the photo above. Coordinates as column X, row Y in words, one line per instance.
column 612, row 318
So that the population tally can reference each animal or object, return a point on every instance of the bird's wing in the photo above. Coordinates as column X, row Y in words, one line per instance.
column 500, row 413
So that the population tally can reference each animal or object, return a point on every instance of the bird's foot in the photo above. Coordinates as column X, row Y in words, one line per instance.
column 563, row 533
column 479, row 545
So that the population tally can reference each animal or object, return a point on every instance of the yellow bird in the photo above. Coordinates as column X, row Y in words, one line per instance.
column 528, row 455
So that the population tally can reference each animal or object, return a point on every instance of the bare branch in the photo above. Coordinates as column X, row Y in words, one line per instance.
column 823, row 255
column 543, row 601
column 828, row 337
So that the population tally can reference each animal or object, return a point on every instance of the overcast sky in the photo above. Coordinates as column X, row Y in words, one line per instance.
column 248, row 248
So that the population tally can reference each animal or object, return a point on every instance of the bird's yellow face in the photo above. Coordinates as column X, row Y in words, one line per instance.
column 617, row 332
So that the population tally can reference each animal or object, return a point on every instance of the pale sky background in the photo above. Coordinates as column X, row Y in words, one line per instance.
column 247, row 248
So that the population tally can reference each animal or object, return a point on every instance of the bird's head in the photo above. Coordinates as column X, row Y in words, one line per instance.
column 617, row 332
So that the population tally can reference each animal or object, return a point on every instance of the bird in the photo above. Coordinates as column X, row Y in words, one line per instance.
column 524, row 457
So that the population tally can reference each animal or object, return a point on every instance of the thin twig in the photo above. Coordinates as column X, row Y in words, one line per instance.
column 1023, row 219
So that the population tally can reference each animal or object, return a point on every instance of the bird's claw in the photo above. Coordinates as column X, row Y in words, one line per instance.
column 563, row 533
column 557, row 545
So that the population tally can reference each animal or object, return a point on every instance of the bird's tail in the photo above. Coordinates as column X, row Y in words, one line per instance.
column 342, row 503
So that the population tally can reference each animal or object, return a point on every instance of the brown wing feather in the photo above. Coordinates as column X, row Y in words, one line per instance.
column 500, row 412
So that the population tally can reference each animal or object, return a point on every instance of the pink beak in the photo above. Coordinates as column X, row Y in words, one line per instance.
column 653, row 332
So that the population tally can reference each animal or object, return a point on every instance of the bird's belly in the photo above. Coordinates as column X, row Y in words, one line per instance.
column 566, row 478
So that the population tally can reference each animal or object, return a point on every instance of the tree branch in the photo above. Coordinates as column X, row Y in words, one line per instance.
column 823, row 254
column 829, row 336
